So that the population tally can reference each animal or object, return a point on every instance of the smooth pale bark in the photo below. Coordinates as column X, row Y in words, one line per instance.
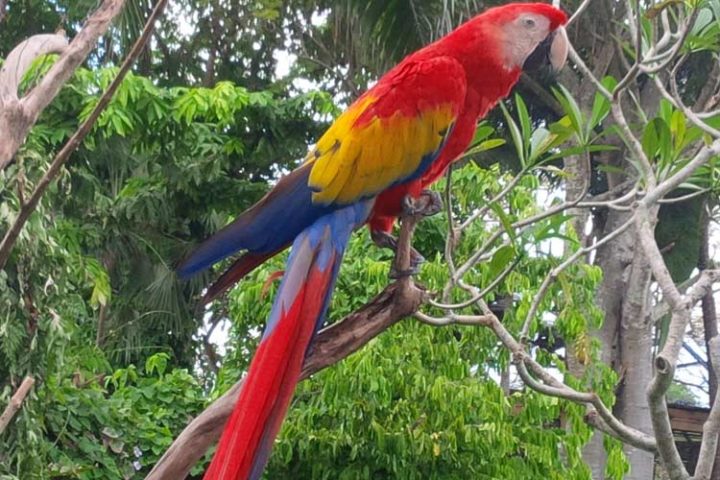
column 18, row 115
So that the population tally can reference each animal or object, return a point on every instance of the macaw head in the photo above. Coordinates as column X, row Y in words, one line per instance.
column 530, row 35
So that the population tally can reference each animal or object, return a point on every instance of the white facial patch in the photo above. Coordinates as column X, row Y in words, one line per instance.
column 522, row 36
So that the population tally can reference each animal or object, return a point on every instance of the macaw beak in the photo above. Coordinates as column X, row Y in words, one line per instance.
column 552, row 51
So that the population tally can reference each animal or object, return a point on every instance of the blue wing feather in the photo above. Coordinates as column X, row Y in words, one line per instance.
column 266, row 227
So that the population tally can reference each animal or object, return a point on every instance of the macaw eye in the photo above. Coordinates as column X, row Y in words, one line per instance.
column 529, row 22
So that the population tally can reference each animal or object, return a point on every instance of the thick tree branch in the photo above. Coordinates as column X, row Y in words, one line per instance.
column 21, row 58
column 661, row 420
column 18, row 116
column 15, row 402
column 64, row 155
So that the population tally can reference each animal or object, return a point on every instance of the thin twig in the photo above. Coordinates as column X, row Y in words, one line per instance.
column 631, row 75
column 452, row 233
column 553, row 275
column 485, row 208
column 491, row 286
column 578, row 12
column 578, row 61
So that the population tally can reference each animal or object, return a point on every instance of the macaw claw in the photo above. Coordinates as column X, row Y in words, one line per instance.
column 429, row 203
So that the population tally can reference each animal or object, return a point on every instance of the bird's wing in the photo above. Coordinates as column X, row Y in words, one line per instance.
column 389, row 135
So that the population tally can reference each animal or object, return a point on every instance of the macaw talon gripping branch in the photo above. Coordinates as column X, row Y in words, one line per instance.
column 427, row 204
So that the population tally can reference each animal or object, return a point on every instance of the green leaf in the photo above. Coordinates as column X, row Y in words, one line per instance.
column 601, row 105
column 524, row 117
column 572, row 110
column 515, row 135
column 504, row 219
column 657, row 140
column 500, row 260
column 486, row 145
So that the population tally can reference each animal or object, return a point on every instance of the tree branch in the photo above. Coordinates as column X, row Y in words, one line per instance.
column 21, row 58
column 661, row 420
column 331, row 345
column 63, row 156
column 15, row 402
column 18, row 116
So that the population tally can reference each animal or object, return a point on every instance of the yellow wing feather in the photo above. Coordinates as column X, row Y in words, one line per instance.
column 386, row 135
column 355, row 162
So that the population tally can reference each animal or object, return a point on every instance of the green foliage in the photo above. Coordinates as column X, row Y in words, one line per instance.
column 89, row 422
column 161, row 170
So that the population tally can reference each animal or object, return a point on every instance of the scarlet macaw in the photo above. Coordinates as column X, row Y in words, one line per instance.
column 392, row 142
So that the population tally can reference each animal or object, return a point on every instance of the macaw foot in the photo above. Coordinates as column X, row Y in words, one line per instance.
column 396, row 274
column 385, row 240
column 429, row 203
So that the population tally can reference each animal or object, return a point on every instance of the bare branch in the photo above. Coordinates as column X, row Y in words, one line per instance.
column 17, row 117
column 645, row 226
column 21, row 58
column 452, row 233
column 579, row 11
column 578, row 61
column 616, row 204
column 689, row 196
column 491, row 286
column 479, row 254
column 609, row 424
column 552, row 276
column 15, row 402
column 661, row 421
column 64, row 155
column 633, row 20
column 485, row 208
column 695, row 289
column 666, row 58
column 452, row 319
column 559, row 389
column 633, row 142
column 675, row 99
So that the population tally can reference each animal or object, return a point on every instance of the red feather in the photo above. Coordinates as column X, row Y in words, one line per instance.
column 269, row 385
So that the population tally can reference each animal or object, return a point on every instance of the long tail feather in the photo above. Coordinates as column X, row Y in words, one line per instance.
column 297, row 314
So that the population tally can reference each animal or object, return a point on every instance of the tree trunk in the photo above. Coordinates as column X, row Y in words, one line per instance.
column 636, row 341
column 710, row 325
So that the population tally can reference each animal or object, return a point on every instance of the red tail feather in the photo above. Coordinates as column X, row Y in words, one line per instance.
column 269, row 385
